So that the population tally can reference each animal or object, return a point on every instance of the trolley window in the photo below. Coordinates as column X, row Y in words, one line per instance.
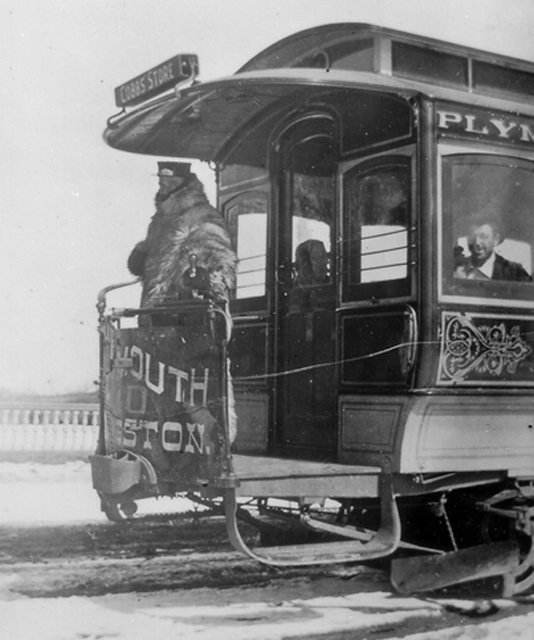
column 376, row 243
column 247, row 218
column 488, row 226
column 312, row 205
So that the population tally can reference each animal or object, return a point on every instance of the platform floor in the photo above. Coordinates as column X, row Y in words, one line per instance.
column 262, row 476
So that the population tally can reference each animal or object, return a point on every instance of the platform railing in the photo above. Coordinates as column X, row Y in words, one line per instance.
column 48, row 427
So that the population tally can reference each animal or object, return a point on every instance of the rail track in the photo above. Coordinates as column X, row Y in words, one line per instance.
column 167, row 551
column 187, row 559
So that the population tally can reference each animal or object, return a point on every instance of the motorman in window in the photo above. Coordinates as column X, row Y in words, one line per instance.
column 484, row 263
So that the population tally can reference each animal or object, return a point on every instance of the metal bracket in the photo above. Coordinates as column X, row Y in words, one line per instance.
column 383, row 543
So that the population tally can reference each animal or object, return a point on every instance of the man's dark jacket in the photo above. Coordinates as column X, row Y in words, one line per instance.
column 504, row 269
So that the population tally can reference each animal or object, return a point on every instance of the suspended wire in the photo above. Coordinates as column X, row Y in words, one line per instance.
column 333, row 363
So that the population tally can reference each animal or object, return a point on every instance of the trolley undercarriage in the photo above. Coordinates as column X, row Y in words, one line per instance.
column 307, row 514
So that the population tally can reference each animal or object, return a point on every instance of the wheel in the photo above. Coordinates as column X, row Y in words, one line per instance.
column 129, row 509
column 113, row 513
column 116, row 512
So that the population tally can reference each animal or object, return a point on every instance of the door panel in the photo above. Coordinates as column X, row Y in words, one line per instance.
column 379, row 323
column 306, row 398
column 307, row 389
column 378, row 347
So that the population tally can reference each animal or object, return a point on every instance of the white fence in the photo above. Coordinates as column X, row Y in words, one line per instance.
column 41, row 427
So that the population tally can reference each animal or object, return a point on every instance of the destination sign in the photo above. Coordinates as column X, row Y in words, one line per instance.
column 156, row 80
column 485, row 125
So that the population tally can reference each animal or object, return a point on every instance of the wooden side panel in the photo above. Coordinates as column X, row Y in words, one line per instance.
column 369, row 427
column 466, row 433
column 252, row 416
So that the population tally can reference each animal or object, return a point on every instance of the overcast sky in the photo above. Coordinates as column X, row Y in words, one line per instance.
column 72, row 208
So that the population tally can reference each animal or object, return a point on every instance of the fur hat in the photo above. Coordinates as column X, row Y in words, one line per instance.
column 174, row 169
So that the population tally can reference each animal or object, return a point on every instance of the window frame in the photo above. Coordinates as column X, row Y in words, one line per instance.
column 252, row 304
column 473, row 292
column 388, row 291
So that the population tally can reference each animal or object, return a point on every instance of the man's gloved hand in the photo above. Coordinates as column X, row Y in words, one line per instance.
column 136, row 260
column 197, row 279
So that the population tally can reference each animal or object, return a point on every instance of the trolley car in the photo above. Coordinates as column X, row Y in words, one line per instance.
column 373, row 369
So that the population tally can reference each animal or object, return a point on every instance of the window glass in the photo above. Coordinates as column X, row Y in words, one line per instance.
column 435, row 66
column 355, row 55
column 493, row 77
column 247, row 216
column 312, row 219
column 488, row 224
column 376, row 246
column 236, row 174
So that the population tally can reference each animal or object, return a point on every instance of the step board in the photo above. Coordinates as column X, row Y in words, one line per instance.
column 383, row 543
column 262, row 477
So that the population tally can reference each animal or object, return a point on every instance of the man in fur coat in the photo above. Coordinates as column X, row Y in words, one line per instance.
column 185, row 228
column 185, row 232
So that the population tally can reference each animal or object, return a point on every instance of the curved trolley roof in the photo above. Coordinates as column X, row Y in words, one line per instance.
column 202, row 121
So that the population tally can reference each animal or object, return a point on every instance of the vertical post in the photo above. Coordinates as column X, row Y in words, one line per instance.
column 427, row 267
column 224, row 433
column 101, row 441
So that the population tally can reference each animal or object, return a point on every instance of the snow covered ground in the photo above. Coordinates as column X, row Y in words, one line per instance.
column 37, row 495
column 32, row 494
column 234, row 615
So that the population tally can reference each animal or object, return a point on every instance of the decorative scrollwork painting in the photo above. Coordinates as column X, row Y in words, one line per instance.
column 481, row 349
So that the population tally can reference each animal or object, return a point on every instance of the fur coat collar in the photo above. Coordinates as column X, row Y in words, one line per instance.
column 185, row 224
column 188, row 195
